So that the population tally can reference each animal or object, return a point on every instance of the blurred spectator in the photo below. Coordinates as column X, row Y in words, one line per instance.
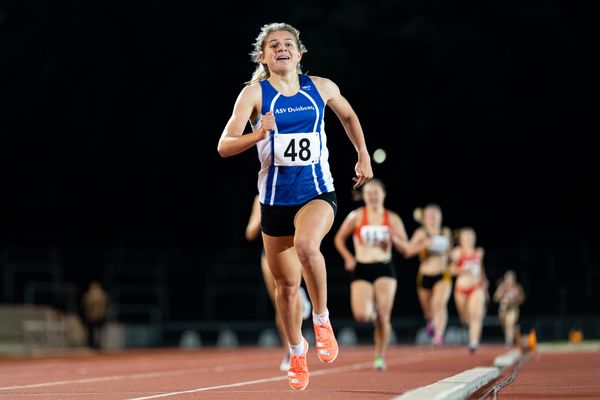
column 96, row 308
column 510, row 295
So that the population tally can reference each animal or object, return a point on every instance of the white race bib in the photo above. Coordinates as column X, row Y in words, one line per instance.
column 296, row 149
column 374, row 235
column 473, row 267
column 439, row 244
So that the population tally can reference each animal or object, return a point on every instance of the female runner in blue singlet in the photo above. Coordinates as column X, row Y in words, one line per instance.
column 286, row 109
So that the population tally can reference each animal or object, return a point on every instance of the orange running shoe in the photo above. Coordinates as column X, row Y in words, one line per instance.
column 298, row 372
column 327, row 346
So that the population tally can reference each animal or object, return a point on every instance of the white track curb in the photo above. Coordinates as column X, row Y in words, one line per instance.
column 507, row 359
column 464, row 384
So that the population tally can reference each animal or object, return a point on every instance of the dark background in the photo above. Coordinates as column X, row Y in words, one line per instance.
column 111, row 112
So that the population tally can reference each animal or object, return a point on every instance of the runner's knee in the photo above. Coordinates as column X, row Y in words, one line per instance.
column 383, row 312
column 287, row 290
column 438, row 304
column 362, row 316
column 307, row 249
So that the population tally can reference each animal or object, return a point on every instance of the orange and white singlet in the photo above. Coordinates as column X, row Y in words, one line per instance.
column 372, row 235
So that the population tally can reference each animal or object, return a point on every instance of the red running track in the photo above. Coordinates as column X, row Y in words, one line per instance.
column 246, row 373
column 556, row 375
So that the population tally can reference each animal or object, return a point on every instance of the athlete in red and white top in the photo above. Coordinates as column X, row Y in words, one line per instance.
column 374, row 230
column 470, row 288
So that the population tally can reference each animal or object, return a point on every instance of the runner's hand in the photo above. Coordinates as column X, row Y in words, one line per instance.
column 350, row 264
column 266, row 125
column 363, row 171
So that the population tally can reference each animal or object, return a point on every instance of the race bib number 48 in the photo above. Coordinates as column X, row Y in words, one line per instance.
column 296, row 149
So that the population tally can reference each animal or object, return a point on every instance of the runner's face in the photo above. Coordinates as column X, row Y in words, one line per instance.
column 467, row 238
column 373, row 195
column 432, row 217
column 509, row 278
column 281, row 52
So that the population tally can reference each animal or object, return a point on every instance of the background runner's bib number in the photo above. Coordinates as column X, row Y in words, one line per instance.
column 439, row 243
column 474, row 268
column 374, row 235
column 296, row 149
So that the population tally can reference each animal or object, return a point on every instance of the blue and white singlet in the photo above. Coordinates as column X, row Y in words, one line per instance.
column 294, row 156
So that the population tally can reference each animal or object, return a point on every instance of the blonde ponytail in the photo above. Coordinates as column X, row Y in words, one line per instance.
column 418, row 215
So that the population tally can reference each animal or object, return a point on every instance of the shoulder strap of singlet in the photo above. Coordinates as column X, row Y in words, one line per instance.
column 386, row 217
column 364, row 221
column 365, row 217
column 461, row 258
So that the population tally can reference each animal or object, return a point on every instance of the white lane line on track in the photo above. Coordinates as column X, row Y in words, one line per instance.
column 219, row 368
column 66, row 382
column 62, row 367
column 143, row 375
column 347, row 368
